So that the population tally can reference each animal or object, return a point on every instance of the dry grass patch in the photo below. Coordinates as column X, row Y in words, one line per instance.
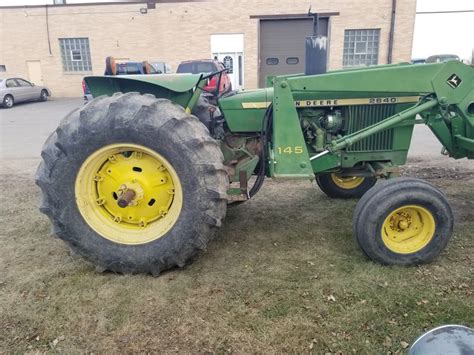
column 283, row 275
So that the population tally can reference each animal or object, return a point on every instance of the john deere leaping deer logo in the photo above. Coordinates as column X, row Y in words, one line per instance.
column 454, row 81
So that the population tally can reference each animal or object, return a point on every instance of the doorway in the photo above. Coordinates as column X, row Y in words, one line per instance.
column 229, row 50
column 282, row 45
column 35, row 74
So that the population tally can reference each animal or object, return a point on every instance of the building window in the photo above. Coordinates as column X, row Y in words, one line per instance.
column 3, row 68
column 361, row 47
column 228, row 62
column 292, row 60
column 76, row 55
column 272, row 61
column 240, row 70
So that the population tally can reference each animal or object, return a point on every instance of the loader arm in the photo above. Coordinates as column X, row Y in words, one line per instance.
column 378, row 108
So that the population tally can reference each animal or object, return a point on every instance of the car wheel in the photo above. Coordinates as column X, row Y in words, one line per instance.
column 8, row 101
column 44, row 95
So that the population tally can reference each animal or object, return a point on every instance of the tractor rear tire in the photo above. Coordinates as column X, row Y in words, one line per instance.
column 152, row 146
column 403, row 221
column 335, row 186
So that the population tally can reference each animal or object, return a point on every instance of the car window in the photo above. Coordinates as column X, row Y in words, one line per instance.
column 197, row 67
column 11, row 83
column 23, row 83
column 204, row 67
column 185, row 68
column 159, row 67
column 121, row 69
column 132, row 68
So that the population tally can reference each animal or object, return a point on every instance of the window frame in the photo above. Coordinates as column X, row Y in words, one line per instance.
column 289, row 60
column 230, row 61
column 19, row 80
column 72, row 55
column 9, row 80
column 69, row 48
column 272, row 61
column 353, row 56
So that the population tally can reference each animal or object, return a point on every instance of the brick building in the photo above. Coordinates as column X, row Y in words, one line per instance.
column 58, row 44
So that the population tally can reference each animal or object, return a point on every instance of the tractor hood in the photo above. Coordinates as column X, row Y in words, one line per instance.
column 248, row 99
column 244, row 111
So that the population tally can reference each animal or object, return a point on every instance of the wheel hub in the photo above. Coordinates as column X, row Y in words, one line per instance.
column 408, row 229
column 400, row 221
column 128, row 193
column 135, row 188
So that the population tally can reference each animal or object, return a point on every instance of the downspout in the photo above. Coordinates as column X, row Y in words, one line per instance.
column 47, row 29
column 392, row 30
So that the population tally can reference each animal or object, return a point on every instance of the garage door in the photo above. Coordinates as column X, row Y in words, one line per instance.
column 282, row 45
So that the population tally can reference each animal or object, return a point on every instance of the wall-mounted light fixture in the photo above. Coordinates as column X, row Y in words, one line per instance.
column 143, row 10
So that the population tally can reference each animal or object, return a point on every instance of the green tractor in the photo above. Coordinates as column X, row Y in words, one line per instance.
column 139, row 179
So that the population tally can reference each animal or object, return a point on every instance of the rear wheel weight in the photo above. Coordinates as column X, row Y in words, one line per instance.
column 404, row 221
column 336, row 186
column 110, row 146
column 113, row 170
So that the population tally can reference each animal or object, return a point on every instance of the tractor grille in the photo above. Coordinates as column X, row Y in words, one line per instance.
column 366, row 115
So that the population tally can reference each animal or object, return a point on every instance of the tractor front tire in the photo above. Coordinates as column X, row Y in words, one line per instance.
column 133, row 183
column 403, row 221
column 336, row 186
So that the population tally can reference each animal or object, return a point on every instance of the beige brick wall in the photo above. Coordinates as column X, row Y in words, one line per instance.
column 176, row 32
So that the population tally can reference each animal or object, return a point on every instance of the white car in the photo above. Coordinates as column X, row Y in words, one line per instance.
column 14, row 90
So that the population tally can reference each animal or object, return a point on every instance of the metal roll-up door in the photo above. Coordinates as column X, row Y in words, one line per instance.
column 282, row 45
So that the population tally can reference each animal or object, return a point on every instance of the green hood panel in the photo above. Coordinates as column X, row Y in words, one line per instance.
column 244, row 111
column 244, row 98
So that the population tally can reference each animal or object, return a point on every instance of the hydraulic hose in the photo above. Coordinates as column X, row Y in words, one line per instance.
column 265, row 134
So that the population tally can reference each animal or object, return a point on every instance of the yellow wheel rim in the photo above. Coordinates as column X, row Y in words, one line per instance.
column 136, row 176
column 347, row 183
column 408, row 229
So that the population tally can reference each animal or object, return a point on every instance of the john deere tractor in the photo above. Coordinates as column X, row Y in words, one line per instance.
column 139, row 179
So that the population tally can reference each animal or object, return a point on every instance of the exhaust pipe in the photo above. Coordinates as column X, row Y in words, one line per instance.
column 316, row 55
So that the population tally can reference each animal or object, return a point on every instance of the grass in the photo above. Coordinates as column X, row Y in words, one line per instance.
column 283, row 275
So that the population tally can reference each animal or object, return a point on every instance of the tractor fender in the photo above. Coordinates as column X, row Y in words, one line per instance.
column 175, row 87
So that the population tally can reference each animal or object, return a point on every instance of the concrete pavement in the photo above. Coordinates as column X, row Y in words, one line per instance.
column 25, row 127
